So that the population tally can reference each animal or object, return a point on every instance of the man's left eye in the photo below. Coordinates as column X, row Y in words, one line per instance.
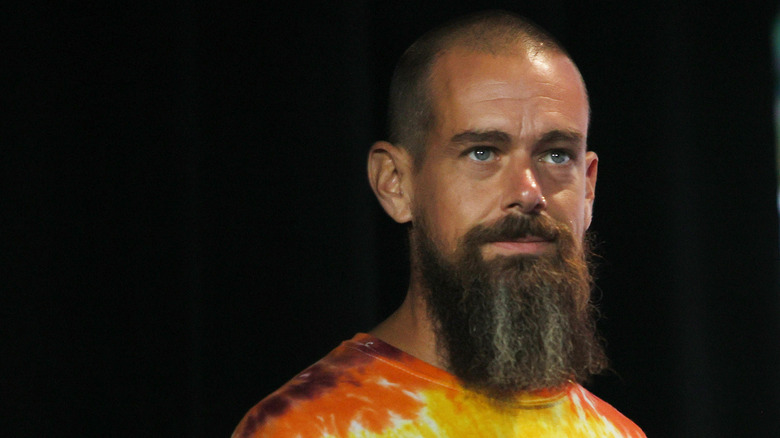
column 482, row 154
column 556, row 157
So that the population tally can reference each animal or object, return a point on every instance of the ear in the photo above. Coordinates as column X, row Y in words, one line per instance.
column 591, row 172
column 389, row 173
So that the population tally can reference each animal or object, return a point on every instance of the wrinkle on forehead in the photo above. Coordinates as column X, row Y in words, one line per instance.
column 481, row 84
column 510, row 99
column 516, row 78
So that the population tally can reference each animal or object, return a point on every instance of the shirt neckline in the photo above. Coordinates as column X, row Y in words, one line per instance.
column 373, row 346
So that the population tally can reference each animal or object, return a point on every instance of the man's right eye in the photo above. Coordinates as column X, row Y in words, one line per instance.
column 482, row 154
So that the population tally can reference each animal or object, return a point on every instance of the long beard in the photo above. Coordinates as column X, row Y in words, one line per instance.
column 513, row 323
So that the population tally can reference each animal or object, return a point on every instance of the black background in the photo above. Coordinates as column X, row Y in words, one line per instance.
column 187, row 223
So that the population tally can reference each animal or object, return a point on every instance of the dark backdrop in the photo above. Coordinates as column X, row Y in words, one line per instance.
column 187, row 223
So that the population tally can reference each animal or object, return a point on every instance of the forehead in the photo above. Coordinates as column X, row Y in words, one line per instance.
column 536, row 85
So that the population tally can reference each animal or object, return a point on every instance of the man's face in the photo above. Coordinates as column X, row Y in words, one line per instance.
column 501, row 202
column 509, row 138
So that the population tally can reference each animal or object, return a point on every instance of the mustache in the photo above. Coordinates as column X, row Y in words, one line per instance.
column 514, row 227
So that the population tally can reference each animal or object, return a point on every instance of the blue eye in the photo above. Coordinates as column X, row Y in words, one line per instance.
column 482, row 154
column 556, row 157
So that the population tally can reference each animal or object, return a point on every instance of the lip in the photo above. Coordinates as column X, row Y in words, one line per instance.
column 531, row 245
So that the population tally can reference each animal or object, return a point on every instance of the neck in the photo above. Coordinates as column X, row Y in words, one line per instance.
column 411, row 330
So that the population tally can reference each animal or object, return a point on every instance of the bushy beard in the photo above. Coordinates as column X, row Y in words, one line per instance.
column 512, row 323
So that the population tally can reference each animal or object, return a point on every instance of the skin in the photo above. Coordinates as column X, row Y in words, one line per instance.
column 510, row 138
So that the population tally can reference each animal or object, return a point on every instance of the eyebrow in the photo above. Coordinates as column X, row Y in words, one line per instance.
column 557, row 135
column 495, row 136
column 492, row 136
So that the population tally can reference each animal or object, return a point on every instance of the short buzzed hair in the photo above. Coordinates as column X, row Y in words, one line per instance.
column 411, row 115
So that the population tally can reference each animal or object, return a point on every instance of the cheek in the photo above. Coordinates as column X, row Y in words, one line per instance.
column 452, row 211
column 447, row 219
column 568, row 207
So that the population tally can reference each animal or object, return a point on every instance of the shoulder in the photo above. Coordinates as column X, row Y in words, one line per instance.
column 352, row 387
column 587, row 401
column 309, row 392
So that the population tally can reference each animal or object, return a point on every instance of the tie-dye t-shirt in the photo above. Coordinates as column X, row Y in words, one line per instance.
column 367, row 388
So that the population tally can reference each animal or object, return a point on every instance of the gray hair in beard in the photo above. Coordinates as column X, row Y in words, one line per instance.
column 512, row 323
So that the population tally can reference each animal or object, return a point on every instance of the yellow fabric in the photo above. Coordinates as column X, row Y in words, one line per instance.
column 367, row 388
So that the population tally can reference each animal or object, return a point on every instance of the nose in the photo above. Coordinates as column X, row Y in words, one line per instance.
column 523, row 192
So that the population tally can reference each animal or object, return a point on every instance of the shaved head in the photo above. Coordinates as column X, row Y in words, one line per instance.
column 495, row 32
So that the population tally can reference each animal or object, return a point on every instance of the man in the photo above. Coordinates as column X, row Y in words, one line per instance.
column 488, row 165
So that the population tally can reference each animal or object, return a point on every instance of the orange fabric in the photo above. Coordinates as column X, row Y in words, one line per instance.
column 367, row 388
